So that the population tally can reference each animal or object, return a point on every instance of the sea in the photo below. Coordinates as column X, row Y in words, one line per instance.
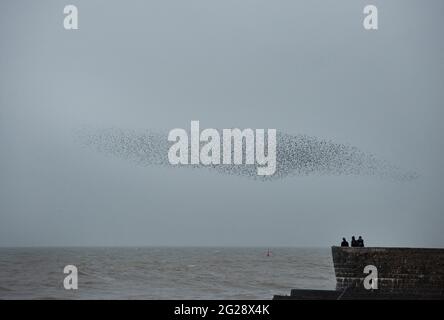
column 163, row 272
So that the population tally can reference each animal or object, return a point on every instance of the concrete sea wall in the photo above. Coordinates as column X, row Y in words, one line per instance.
column 400, row 270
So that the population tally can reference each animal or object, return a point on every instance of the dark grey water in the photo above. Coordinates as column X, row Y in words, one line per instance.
column 163, row 273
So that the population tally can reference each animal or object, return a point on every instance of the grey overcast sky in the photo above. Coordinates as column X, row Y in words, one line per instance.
column 302, row 67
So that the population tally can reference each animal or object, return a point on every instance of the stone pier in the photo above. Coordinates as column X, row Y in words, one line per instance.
column 402, row 273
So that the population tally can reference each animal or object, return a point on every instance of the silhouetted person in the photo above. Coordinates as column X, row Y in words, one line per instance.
column 354, row 242
column 360, row 242
column 344, row 243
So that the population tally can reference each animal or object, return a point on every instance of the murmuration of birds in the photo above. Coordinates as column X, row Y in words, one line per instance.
column 296, row 155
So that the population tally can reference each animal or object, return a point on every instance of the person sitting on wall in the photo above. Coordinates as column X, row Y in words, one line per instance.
column 354, row 242
column 344, row 243
column 360, row 242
